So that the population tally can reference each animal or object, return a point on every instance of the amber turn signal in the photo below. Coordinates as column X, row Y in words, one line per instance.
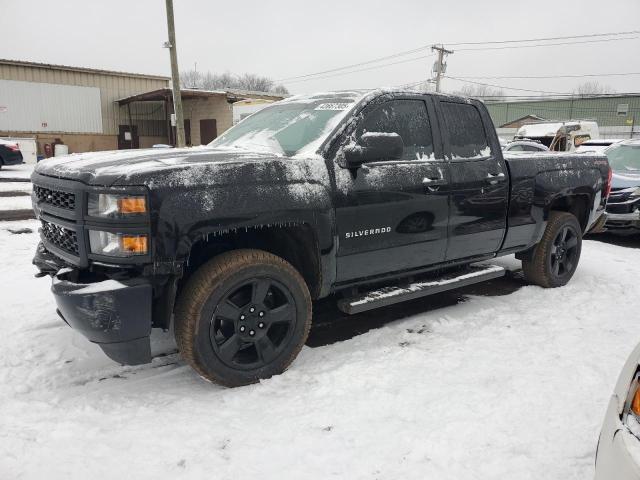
column 132, row 205
column 635, row 403
column 134, row 244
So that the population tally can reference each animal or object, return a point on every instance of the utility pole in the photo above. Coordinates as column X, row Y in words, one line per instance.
column 440, row 67
column 175, row 77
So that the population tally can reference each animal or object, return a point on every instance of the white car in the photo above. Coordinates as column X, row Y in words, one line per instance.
column 618, row 453
column 598, row 146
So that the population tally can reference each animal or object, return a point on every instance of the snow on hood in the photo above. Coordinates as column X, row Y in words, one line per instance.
column 105, row 168
column 625, row 180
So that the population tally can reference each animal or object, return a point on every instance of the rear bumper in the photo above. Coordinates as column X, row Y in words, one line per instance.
column 618, row 454
column 12, row 158
column 116, row 315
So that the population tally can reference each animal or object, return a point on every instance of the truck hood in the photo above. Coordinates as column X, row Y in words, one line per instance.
column 625, row 179
column 143, row 167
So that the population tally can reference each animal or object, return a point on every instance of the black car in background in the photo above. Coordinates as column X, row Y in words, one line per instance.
column 10, row 153
column 623, row 206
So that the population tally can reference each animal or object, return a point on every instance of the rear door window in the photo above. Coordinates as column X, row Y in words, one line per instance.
column 407, row 118
column 467, row 136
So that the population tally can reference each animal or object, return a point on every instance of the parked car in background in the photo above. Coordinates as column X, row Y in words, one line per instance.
column 618, row 452
column 525, row 145
column 10, row 153
column 598, row 145
column 560, row 136
column 623, row 207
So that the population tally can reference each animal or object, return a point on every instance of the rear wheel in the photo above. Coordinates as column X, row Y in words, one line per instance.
column 243, row 316
column 555, row 258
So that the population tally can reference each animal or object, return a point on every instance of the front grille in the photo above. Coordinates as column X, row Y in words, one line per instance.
column 61, row 237
column 55, row 198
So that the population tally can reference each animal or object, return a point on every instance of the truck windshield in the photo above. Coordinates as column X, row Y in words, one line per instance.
column 624, row 158
column 293, row 126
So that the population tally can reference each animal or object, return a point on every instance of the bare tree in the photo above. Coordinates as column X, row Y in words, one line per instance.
column 216, row 81
column 593, row 87
column 479, row 91
column 190, row 79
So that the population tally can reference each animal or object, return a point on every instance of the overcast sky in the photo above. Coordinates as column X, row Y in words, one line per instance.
column 282, row 39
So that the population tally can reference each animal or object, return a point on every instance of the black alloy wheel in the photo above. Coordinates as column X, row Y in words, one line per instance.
column 564, row 251
column 554, row 260
column 252, row 323
column 243, row 316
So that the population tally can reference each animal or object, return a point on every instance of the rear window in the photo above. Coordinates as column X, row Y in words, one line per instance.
column 467, row 136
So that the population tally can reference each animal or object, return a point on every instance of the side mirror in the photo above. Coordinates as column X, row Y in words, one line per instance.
column 374, row 146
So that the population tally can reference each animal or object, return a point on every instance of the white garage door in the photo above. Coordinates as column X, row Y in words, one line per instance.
column 46, row 107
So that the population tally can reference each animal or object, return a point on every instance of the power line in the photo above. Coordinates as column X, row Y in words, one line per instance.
column 505, row 87
column 509, row 47
column 368, row 62
column 425, row 47
column 583, row 75
column 630, row 32
column 338, row 74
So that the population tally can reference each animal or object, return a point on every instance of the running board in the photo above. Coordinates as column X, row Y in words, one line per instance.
column 389, row 295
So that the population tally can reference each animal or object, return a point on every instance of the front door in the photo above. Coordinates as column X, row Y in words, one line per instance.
column 392, row 215
column 479, row 182
column 128, row 137
column 208, row 131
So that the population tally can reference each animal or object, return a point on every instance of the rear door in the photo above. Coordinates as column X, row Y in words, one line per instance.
column 479, row 180
column 392, row 215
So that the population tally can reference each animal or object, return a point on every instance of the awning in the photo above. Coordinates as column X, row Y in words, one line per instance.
column 232, row 96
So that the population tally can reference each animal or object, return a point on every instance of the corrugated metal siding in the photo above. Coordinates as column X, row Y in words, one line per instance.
column 601, row 109
column 150, row 118
column 112, row 87
column 45, row 107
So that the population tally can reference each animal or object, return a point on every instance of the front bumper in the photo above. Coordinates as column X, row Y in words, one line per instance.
column 618, row 454
column 116, row 315
column 618, row 221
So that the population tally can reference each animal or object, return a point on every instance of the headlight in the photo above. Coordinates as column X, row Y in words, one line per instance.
column 118, row 244
column 632, row 408
column 116, row 206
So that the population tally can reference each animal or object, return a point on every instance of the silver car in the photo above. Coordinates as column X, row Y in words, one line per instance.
column 618, row 453
column 525, row 146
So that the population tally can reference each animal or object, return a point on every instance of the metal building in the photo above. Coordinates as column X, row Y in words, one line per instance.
column 618, row 116
column 91, row 110
column 75, row 105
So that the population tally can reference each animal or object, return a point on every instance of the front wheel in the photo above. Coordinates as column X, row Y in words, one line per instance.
column 243, row 316
column 555, row 258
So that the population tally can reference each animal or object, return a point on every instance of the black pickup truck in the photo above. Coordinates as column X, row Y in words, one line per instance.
column 373, row 197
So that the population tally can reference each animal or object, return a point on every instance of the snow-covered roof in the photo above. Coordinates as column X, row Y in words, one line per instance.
column 166, row 93
column 540, row 129
column 549, row 129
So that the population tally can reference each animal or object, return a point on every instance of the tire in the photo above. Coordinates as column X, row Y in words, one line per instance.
column 555, row 258
column 243, row 316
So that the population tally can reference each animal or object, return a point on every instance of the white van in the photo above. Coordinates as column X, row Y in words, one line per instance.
column 560, row 136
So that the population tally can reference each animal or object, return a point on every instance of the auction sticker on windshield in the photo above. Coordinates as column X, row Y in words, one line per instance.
column 333, row 106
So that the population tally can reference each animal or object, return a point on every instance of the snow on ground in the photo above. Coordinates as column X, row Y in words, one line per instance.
column 17, row 171
column 512, row 386
column 15, row 203
column 15, row 186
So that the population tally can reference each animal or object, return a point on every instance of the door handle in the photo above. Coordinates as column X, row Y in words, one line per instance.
column 430, row 181
column 495, row 178
column 433, row 183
